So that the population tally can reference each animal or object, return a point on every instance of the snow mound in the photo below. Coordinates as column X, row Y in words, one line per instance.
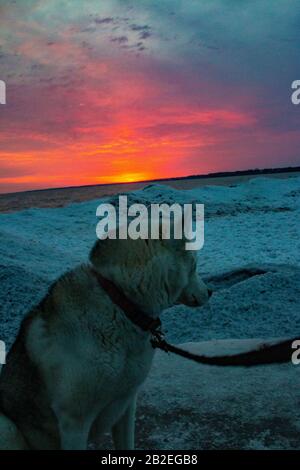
column 256, row 223
column 19, row 292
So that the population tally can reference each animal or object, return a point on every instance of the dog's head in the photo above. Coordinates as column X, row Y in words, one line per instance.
column 155, row 274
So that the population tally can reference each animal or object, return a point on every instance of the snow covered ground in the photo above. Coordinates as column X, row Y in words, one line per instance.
column 184, row 405
column 251, row 228
column 251, row 258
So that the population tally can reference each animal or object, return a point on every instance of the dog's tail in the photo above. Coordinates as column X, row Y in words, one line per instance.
column 266, row 354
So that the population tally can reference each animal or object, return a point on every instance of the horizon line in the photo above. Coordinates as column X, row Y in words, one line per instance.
column 218, row 174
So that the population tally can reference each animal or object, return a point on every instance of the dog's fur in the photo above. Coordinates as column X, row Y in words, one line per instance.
column 78, row 361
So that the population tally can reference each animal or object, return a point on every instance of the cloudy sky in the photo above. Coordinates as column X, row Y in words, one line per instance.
column 122, row 90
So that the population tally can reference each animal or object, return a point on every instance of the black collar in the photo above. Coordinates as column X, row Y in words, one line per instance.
column 132, row 311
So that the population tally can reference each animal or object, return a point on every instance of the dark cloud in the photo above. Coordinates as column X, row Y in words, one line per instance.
column 140, row 46
column 89, row 29
column 120, row 39
column 106, row 20
column 144, row 34
column 137, row 27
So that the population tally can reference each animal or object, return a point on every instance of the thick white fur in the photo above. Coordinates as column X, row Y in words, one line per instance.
column 92, row 359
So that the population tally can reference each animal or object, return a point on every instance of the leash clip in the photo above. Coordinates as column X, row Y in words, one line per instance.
column 158, row 339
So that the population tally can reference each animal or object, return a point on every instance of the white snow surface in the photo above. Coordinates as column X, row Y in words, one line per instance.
column 251, row 258
column 185, row 405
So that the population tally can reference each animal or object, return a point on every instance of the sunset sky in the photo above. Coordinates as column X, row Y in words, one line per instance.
column 118, row 91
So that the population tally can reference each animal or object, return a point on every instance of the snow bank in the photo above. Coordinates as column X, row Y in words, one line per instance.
column 250, row 228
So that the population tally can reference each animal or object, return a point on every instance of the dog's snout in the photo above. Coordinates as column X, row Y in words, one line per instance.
column 210, row 292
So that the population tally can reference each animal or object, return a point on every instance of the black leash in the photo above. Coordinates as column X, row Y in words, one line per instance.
column 266, row 354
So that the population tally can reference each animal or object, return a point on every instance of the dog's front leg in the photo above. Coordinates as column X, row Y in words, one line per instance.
column 74, row 432
column 73, row 439
column 123, row 430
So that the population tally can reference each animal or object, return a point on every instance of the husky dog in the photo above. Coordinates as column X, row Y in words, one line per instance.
column 78, row 361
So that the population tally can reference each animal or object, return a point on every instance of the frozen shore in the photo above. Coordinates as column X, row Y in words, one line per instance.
column 251, row 258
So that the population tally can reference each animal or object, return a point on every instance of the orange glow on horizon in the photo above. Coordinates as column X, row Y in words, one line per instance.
column 126, row 178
